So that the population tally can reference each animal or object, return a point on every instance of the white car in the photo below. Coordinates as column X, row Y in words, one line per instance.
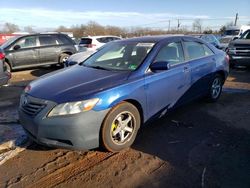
column 91, row 43
column 78, row 58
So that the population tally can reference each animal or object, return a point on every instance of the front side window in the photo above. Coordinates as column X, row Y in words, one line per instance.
column 27, row 42
column 126, row 56
column 171, row 53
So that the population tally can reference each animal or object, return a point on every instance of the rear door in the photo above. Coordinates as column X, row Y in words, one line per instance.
column 27, row 54
column 164, row 88
column 49, row 49
column 202, row 63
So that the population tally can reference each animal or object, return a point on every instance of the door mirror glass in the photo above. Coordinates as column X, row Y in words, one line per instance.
column 17, row 47
column 235, row 38
column 71, row 63
column 160, row 65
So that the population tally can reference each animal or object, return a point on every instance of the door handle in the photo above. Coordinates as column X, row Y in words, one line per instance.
column 185, row 69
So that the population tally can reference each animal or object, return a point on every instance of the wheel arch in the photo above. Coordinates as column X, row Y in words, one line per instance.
column 222, row 74
column 138, row 106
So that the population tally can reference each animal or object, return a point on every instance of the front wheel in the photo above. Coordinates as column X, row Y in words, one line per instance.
column 215, row 88
column 120, row 127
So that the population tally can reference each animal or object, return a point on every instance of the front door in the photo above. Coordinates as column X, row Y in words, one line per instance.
column 164, row 88
column 25, row 52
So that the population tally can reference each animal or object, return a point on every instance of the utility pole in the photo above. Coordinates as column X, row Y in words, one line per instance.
column 179, row 24
column 236, row 18
column 168, row 25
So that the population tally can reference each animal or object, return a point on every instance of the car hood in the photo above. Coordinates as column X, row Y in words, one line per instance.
column 240, row 41
column 75, row 83
column 81, row 56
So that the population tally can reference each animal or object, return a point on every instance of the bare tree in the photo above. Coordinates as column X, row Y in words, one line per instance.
column 28, row 29
column 10, row 27
column 197, row 25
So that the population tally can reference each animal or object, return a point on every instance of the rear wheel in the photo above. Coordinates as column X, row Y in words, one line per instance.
column 215, row 88
column 63, row 58
column 120, row 127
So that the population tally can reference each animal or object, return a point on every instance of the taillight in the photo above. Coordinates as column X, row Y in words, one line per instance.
column 91, row 45
column 2, row 55
column 227, row 58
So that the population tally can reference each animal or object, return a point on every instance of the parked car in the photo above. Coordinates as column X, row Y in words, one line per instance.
column 239, row 50
column 91, row 43
column 231, row 31
column 104, row 100
column 78, row 58
column 211, row 39
column 37, row 49
column 4, row 74
column 224, row 41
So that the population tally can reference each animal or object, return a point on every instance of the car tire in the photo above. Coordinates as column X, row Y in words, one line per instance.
column 63, row 58
column 215, row 88
column 120, row 127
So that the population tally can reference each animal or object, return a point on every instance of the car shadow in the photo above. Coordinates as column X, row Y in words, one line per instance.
column 44, row 70
column 191, row 140
column 238, row 74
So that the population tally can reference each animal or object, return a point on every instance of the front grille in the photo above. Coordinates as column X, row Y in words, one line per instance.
column 30, row 107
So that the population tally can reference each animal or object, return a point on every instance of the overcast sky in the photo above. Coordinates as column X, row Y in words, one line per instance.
column 127, row 13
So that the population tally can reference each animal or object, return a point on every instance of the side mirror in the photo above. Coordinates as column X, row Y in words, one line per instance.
column 70, row 63
column 17, row 47
column 235, row 38
column 159, row 65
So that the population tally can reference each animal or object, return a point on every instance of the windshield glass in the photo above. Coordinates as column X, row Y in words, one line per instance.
column 8, row 42
column 232, row 32
column 125, row 56
column 245, row 35
column 225, row 40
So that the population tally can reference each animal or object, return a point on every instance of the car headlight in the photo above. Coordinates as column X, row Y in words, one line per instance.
column 73, row 107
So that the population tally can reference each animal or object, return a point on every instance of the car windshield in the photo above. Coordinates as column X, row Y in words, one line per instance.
column 8, row 42
column 125, row 56
column 225, row 40
column 232, row 32
column 245, row 35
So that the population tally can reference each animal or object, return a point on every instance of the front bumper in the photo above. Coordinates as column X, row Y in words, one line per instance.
column 78, row 131
column 239, row 56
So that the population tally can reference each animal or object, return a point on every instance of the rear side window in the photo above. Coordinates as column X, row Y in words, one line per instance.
column 27, row 42
column 63, row 39
column 47, row 40
column 85, row 41
column 194, row 49
column 172, row 53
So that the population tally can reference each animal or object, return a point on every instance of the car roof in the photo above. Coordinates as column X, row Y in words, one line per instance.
column 155, row 38
column 99, row 36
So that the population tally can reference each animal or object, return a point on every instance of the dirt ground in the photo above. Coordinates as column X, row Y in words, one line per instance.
column 198, row 145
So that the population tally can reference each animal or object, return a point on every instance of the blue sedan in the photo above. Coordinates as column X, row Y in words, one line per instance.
column 104, row 100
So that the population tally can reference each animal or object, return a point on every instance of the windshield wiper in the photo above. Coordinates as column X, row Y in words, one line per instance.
column 98, row 67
